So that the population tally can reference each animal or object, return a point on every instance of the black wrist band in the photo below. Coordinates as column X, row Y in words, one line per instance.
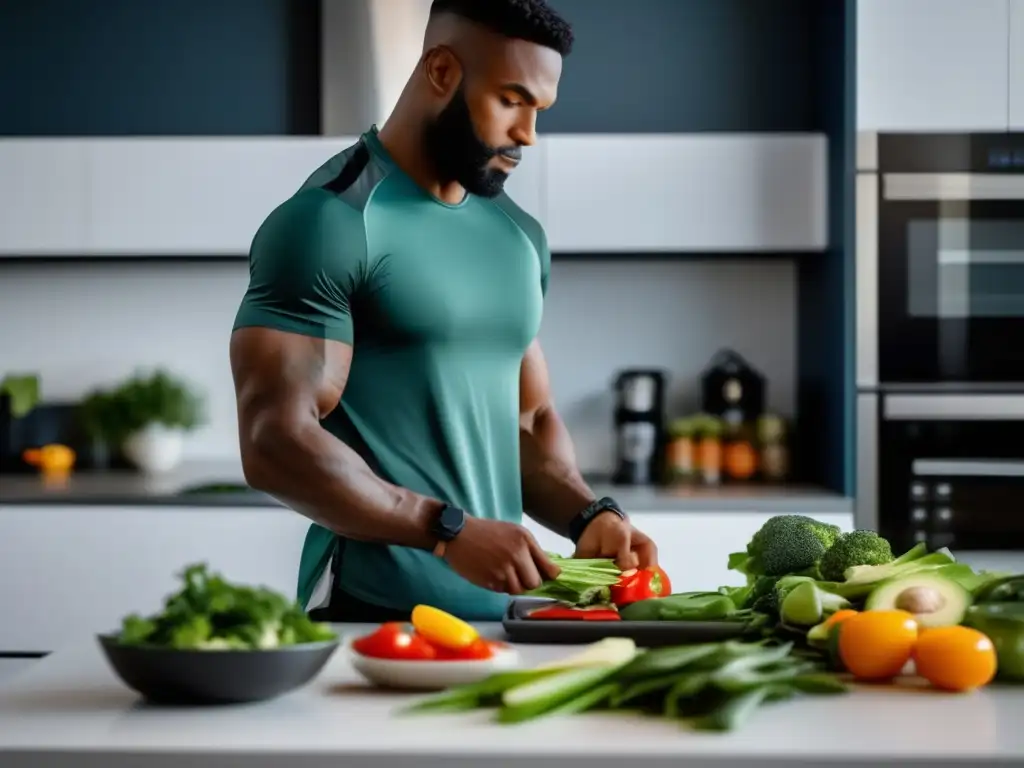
column 579, row 523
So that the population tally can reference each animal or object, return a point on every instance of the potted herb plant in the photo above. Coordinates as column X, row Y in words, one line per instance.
column 19, row 394
column 147, row 416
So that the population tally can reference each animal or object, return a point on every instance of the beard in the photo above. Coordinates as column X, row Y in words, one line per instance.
column 458, row 153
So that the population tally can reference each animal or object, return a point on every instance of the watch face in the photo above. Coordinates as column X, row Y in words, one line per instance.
column 451, row 519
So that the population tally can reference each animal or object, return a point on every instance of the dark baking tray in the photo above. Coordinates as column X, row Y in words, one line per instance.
column 647, row 634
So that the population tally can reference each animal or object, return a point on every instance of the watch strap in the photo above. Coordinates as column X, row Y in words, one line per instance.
column 580, row 522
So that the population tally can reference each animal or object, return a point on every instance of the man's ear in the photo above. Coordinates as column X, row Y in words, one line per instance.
column 443, row 71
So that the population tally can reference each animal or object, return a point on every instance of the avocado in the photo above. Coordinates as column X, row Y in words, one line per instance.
column 935, row 600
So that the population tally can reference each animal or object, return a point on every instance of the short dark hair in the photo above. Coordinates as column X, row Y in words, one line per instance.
column 531, row 20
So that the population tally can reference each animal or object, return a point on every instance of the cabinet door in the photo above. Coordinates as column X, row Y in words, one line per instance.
column 43, row 197
column 697, row 192
column 203, row 196
column 70, row 572
column 932, row 65
column 1016, row 65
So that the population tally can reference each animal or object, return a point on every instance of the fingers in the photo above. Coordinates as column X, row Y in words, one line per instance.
column 646, row 553
column 513, row 585
column 547, row 569
column 625, row 558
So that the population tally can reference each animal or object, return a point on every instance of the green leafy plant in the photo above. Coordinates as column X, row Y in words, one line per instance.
column 158, row 398
column 23, row 390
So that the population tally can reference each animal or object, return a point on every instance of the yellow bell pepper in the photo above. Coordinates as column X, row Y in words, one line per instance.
column 443, row 629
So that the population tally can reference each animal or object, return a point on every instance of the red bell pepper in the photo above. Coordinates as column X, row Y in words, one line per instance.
column 569, row 613
column 641, row 584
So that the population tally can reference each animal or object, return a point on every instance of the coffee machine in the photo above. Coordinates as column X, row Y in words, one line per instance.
column 639, row 426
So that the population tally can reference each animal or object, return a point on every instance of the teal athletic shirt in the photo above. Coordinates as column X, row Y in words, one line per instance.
column 439, row 303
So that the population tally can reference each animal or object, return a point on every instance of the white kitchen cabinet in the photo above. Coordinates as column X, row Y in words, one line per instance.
column 695, row 192
column 11, row 667
column 66, row 572
column 525, row 185
column 1017, row 65
column 43, row 202
column 933, row 65
column 694, row 546
column 205, row 196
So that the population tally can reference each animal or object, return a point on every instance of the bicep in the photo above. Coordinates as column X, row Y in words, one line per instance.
column 534, row 383
column 284, row 379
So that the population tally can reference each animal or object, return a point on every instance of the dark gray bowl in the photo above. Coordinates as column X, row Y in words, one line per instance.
column 168, row 676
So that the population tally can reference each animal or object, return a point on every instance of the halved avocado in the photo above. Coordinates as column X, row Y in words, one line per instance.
column 935, row 600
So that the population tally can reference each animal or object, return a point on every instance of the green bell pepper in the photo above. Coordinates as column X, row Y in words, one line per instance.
column 1003, row 623
column 1008, row 589
column 688, row 606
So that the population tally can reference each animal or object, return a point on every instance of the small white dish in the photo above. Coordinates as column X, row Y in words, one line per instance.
column 429, row 675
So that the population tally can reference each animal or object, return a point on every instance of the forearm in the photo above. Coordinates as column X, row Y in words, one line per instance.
column 317, row 475
column 553, row 488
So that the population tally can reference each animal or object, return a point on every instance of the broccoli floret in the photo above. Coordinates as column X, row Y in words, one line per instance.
column 761, row 597
column 855, row 548
column 788, row 544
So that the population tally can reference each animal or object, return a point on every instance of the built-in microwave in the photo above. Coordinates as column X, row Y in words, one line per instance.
column 941, row 468
column 940, row 260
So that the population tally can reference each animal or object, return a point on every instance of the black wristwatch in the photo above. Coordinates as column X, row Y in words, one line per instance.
column 579, row 523
column 447, row 524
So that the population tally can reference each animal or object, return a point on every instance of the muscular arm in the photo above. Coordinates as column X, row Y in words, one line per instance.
column 285, row 384
column 553, row 489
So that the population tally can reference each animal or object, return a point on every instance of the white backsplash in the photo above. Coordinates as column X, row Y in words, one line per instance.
column 92, row 324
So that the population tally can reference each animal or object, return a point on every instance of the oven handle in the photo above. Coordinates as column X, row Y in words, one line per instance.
column 965, row 468
column 979, row 407
column 952, row 186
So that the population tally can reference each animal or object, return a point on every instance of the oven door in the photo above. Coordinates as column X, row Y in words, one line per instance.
column 947, row 278
column 948, row 469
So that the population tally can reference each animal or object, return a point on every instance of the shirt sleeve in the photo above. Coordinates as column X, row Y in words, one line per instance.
column 307, row 264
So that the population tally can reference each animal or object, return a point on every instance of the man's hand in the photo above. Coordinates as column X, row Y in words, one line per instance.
column 502, row 557
column 608, row 535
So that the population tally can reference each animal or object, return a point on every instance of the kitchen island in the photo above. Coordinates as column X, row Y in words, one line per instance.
column 70, row 710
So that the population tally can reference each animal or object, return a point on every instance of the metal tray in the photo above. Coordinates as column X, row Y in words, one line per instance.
column 648, row 634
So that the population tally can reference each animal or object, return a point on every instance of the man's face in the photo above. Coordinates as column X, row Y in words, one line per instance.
column 477, row 139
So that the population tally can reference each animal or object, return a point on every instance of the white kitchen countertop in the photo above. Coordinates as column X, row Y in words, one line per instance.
column 70, row 710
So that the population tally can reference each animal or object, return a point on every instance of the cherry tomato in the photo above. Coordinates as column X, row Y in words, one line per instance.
column 480, row 648
column 876, row 645
column 394, row 640
column 442, row 629
column 955, row 658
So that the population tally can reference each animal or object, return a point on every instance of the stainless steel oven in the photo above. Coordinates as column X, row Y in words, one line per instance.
column 940, row 260
column 940, row 339
column 945, row 469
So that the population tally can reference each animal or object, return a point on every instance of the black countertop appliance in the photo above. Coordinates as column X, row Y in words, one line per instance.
column 639, row 426
column 732, row 389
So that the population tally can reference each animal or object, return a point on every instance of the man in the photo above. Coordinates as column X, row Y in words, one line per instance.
column 389, row 381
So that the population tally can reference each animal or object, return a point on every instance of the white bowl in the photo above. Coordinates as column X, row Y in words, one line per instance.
column 429, row 675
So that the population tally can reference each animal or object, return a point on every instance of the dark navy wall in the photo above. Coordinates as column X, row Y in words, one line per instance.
column 152, row 67
column 688, row 65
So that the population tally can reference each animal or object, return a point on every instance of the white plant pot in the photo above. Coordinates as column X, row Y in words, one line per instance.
column 155, row 449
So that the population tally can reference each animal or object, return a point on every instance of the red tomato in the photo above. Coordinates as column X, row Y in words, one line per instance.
column 641, row 584
column 480, row 648
column 394, row 640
